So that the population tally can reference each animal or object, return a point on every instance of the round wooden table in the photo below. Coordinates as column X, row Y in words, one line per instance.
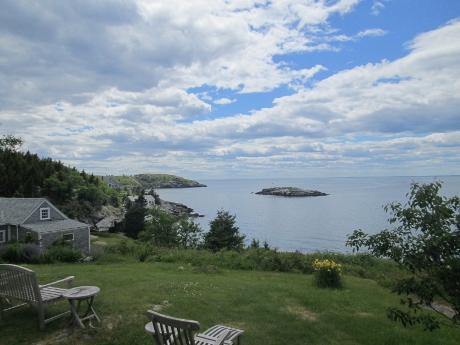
column 80, row 294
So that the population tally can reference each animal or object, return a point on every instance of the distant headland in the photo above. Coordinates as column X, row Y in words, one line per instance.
column 290, row 192
column 150, row 181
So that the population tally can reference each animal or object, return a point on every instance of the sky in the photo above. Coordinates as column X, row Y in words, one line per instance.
column 219, row 89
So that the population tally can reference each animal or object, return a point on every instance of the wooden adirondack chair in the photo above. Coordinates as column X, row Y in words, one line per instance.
column 19, row 283
column 167, row 330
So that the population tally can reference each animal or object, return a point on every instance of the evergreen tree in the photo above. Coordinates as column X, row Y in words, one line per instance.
column 223, row 233
column 141, row 201
column 134, row 221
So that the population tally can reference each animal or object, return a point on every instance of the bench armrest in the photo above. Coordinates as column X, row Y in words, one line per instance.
column 222, row 337
column 69, row 281
column 211, row 340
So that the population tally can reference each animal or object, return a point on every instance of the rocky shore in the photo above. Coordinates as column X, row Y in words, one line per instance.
column 177, row 209
column 290, row 192
column 108, row 219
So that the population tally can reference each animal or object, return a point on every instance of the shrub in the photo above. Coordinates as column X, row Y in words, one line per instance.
column 55, row 254
column 327, row 274
column 17, row 253
column 10, row 253
column 125, row 247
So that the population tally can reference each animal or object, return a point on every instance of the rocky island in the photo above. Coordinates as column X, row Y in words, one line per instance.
column 290, row 192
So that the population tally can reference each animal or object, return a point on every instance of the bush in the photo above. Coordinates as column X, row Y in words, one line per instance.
column 10, row 253
column 56, row 254
column 327, row 274
column 17, row 253
column 125, row 247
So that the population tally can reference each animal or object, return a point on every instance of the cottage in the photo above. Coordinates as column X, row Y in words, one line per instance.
column 39, row 218
column 149, row 200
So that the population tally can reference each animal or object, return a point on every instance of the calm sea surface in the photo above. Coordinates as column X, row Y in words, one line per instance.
column 305, row 224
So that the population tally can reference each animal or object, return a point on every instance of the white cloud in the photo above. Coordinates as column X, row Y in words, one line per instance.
column 223, row 101
column 118, row 86
column 377, row 7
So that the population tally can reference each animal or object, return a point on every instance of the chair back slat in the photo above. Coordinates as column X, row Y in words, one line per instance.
column 19, row 283
column 172, row 331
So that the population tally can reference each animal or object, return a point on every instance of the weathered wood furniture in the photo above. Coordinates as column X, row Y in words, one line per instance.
column 80, row 294
column 19, row 283
column 167, row 330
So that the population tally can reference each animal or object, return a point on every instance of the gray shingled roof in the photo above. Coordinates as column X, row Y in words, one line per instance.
column 55, row 225
column 16, row 210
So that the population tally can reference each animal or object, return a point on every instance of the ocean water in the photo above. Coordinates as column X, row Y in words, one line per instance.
column 305, row 224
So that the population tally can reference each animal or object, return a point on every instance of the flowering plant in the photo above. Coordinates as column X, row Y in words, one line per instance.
column 327, row 273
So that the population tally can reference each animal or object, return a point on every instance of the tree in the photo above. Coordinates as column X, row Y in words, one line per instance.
column 223, row 233
column 134, row 221
column 426, row 243
column 141, row 201
column 189, row 234
column 10, row 142
column 161, row 229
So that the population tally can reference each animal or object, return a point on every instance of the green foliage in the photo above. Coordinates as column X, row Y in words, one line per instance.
column 77, row 194
column 425, row 243
column 254, row 243
column 161, row 229
column 124, row 247
column 327, row 274
column 57, row 254
column 190, row 234
column 223, row 234
column 30, row 253
column 92, row 194
column 10, row 142
column 134, row 221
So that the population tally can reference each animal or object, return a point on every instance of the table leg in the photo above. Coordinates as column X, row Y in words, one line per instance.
column 89, row 308
column 74, row 311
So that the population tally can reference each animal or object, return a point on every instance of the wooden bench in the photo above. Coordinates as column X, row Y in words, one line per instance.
column 19, row 283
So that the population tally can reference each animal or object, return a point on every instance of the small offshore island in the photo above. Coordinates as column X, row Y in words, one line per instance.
column 290, row 192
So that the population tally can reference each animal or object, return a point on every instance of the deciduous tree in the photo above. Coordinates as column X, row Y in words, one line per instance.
column 426, row 243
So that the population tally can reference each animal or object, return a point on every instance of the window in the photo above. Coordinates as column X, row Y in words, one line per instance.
column 45, row 213
column 67, row 237
column 2, row 236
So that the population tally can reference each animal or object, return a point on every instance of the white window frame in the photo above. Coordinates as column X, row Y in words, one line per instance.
column 69, row 234
column 44, row 216
column 2, row 236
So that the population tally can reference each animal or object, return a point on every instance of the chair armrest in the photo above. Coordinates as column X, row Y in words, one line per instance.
column 211, row 340
column 222, row 337
column 69, row 281
column 149, row 328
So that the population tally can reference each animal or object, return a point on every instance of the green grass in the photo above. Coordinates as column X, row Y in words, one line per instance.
column 272, row 308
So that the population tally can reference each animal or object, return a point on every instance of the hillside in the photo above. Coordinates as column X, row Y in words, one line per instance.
column 150, row 181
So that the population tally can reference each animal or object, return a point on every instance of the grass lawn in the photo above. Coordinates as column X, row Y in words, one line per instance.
column 272, row 308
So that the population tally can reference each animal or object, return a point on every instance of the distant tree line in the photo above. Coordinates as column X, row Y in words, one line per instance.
column 77, row 194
